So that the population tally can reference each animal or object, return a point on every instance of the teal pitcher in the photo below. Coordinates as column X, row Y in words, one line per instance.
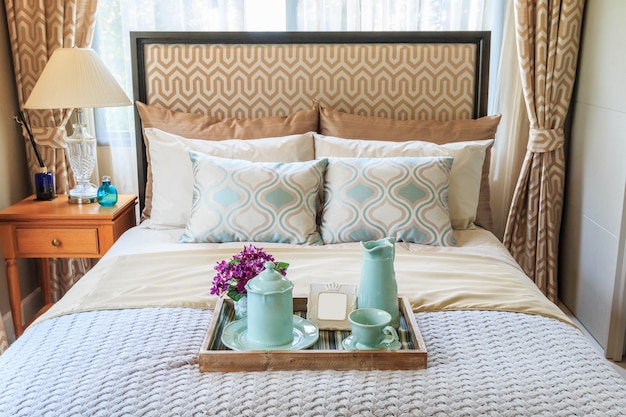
column 378, row 287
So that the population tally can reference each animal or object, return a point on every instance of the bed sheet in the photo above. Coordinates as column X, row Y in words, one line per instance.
column 145, row 238
column 153, row 270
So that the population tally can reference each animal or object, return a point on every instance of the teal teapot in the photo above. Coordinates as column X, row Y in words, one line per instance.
column 270, row 309
column 378, row 287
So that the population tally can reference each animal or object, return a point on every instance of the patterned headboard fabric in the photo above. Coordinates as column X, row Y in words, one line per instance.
column 402, row 75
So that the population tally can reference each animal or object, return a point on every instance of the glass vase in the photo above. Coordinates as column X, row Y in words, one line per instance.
column 241, row 307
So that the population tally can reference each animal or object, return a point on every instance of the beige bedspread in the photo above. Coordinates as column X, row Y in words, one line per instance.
column 478, row 275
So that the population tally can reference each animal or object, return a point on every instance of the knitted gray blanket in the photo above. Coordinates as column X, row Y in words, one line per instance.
column 143, row 362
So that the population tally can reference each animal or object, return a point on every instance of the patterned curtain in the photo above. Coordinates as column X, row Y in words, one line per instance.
column 548, row 36
column 36, row 29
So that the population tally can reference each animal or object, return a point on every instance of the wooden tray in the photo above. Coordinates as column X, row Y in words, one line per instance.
column 215, row 357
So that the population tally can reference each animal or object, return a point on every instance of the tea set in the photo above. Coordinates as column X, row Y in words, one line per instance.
column 271, row 325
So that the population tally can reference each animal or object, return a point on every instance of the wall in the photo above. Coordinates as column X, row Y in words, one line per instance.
column 594, row 204
column 13, row 173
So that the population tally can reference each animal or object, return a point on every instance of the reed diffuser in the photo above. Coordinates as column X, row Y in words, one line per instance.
column 44, row 182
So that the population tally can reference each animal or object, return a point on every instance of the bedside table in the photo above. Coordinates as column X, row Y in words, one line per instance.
column 57, row 229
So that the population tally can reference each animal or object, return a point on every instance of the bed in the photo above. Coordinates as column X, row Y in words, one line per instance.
column 220, row 116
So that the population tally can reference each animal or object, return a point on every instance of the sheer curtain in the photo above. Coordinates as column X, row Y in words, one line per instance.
column 509, row 149
column 114, row 22
column 114, row 126
column 374, row 15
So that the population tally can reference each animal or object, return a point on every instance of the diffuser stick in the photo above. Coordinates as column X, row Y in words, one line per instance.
column 22, row 121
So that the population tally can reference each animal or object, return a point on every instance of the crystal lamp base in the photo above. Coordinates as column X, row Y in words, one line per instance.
column 81, row 149
column 83, row 194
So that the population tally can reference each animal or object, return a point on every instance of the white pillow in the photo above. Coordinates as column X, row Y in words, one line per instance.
column 242, row 201
column 465, row 176
column 172, row 177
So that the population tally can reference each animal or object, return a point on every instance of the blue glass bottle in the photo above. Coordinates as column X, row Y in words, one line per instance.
column 107, row 193
column 44, row 185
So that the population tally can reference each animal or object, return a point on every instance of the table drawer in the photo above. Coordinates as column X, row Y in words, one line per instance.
column 50, row 242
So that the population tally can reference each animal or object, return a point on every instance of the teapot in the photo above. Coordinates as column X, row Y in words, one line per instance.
column 270, row 309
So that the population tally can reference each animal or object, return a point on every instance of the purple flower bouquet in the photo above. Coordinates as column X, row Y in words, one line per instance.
column 233, row 275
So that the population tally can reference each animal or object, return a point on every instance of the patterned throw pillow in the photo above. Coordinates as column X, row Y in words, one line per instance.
column 465, row 175
column 355, row 126
column 172, row 176
column 371, row 198
column 206, row 127
column 237, row 201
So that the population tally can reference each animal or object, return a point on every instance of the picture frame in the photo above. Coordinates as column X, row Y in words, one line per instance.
column 329, row 304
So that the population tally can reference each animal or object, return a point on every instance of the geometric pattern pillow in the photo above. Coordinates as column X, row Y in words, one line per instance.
column 465, row 176
column 172, row 175
column 349, row 126
column 371, row 198
column 239, row 201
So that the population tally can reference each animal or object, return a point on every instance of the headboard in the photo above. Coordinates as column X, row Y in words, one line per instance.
column 402, row 75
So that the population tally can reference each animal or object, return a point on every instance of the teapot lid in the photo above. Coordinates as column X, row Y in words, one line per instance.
column 269, row 281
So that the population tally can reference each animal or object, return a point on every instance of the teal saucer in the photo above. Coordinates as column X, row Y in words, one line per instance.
column 305, row 334
column 350, row 343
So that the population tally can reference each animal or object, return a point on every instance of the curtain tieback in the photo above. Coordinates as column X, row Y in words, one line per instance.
column 53, row 137
column 546, row 140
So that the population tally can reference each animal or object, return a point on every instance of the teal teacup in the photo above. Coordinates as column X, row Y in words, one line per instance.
column 370, row 328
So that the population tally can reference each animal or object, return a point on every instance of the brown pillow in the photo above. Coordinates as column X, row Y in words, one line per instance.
column 200, row 126
column 354, row 126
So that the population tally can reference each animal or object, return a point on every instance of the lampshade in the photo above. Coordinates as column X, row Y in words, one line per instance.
column 76, row 78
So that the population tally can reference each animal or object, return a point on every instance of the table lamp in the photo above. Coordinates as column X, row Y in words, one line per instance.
column 76, row 78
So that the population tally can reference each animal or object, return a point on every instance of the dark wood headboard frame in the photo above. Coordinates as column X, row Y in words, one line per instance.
column 140, row 39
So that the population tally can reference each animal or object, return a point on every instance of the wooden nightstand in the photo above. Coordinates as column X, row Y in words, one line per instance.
column 57, row 229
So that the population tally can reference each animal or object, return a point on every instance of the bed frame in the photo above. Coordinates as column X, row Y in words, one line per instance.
column 496, row 345
column 248, row 74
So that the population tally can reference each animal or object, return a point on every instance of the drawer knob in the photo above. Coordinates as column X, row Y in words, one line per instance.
column 56, row 242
